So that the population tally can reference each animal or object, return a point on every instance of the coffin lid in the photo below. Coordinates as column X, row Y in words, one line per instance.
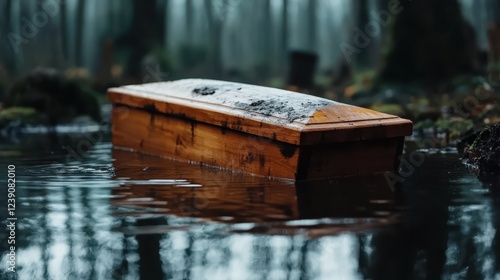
column 276, row 114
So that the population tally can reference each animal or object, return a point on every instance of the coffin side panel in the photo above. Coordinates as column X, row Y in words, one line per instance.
column 188, row 140
column 349, row 158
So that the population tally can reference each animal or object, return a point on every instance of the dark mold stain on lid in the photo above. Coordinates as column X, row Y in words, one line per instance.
column 204, row 90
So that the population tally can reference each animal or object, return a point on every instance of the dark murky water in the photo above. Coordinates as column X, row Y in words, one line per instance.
column 119, row 215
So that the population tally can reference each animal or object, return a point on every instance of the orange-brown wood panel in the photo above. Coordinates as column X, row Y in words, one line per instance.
column 217, row 115
column 183, row 139
column 350, row 158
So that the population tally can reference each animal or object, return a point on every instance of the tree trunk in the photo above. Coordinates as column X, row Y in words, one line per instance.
column 312, row 18
column 267, row 50
column 147, row 31
column 428, row 45
column 215, row 27
column 63, row 32
column 362, row 59
column 495, row 10
column 148, row 249
column 8, row 59
column 80, row 21
column 189, row 21
column 284, row 37
column 494, row 32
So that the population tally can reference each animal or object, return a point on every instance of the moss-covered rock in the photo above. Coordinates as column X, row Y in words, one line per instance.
column 483, row 152
column 51, row 94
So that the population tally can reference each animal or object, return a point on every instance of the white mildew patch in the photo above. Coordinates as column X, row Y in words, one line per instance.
column 247, row 98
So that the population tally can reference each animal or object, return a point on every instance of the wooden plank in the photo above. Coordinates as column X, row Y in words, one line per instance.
column 183, row 139
column 349, row 158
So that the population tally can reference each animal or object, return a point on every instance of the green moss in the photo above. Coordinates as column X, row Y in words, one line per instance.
column 455, row 127
column 393, row 109
column 364, row 80
column 323, row 81
column 473, row 148
column 427, row 123
column 277, row 82
column 25, row 115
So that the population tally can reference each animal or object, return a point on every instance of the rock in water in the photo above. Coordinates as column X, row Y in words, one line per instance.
column 53, row 95
column 484, row 153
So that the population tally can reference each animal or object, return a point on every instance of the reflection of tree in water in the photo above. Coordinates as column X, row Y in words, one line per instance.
column 496, row 238
column 417, row 246
column 363, row 256
column 449, row 231
column 474, row 228
column 70, row 220
column 121, row 265
column 261, row 265
column 148, row 248
column 88, row 253
column 46, row 233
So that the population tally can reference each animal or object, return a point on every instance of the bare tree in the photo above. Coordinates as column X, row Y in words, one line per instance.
column 189, row 20
column 146, row 32
column 80, row 23
column 284, row 36
column 216, row 25
column 63, row 29
column 428, row 49
column 312, row 18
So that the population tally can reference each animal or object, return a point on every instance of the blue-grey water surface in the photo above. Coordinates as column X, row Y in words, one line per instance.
column 113, row 214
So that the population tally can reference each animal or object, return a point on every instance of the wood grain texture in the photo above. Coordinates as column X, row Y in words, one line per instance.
column 184, row 139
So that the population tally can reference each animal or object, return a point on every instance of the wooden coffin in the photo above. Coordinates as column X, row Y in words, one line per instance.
column 259, row 130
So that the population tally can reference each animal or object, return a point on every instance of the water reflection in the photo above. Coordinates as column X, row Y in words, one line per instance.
column 118, row 215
